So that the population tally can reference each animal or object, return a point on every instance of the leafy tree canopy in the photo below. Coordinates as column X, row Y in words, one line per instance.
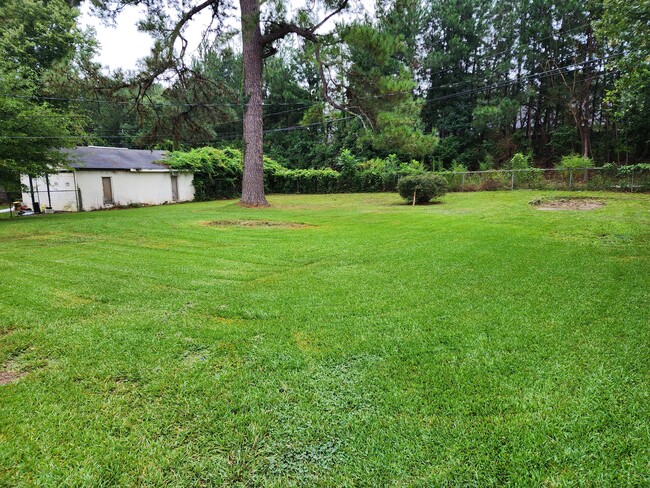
column 36, row 38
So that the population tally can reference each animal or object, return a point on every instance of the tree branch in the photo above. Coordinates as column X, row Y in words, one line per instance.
column 325, row 89
column 342, row 6
column 187, row 16
column 281, row 29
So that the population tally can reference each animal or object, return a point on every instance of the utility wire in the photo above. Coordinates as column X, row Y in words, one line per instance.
column 504, row 51
column 503, row 84
column 238, row 134
column 156, row 104
column 542, row 75
column 302, row 104
column 59, row 116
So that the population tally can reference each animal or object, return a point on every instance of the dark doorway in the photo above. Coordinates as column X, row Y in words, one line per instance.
column 174, row 188
column 108, row 190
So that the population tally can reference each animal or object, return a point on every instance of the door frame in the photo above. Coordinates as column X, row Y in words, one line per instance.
column 174, row 181
column 110, row 187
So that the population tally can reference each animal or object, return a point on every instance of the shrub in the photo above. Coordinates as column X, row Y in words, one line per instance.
column 633, row 168
column 574, row 161
column 412, row 168
column 346, row 163
column 520, row 161
column 578, row 163
column 371, row 180
column 487, row 163
column 217, row 172
column 457, row 167
column 422, row 188
column 285, row 180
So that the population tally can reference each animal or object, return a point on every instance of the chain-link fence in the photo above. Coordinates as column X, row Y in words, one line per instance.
column 549, row 179
column 611, row 179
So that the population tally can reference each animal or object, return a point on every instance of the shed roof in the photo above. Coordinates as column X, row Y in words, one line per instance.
column 113, row 158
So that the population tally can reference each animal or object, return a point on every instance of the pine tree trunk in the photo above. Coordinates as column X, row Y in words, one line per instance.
column 253, row 180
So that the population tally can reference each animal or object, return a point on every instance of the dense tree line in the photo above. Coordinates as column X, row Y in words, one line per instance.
column 461, row 83
column 467, row 82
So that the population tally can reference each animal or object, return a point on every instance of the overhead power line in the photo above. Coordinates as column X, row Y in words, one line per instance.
column 542, row 75
column 156, row 104
column 510, row 50
column 504, row 84
column 227, row 134
column 301, row 104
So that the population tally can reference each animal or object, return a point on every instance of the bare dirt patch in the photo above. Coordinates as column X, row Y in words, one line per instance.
column 567, row 203
column 257, row 223
column 7, row 377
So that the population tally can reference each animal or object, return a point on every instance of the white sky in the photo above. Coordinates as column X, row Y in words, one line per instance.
column 123, row 45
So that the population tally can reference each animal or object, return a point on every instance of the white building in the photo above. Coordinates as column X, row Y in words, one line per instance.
column 103, row 177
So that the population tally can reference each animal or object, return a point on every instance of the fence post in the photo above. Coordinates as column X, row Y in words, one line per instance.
column 462, row 183
column 512, row 180
column 570, row 179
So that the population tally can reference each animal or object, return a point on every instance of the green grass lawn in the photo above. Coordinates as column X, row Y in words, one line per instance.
column 474, row 342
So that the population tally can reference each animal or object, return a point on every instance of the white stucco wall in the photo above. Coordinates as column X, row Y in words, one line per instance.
column 147, row 187
column 62, row 191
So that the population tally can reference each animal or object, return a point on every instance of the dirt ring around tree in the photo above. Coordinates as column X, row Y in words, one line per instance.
column 567, row 203
column 257, row 223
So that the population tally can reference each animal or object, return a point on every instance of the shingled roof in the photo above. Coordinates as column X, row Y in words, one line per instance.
column 113, row 158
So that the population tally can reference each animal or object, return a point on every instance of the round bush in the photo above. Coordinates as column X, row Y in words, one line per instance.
column 424, row 187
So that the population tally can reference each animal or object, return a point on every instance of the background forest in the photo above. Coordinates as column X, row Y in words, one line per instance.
column 465, row 83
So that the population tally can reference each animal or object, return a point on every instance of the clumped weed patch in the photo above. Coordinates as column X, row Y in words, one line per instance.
column 474, row 342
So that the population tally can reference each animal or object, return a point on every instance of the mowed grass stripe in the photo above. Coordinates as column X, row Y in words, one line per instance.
column 477, row 341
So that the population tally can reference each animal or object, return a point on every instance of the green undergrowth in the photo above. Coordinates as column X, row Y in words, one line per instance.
column 347, row 340
column 218, row 174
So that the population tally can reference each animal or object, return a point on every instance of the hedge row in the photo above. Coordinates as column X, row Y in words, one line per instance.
column 218, row 174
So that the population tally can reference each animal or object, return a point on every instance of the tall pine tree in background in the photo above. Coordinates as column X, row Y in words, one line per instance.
column 469, row 82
